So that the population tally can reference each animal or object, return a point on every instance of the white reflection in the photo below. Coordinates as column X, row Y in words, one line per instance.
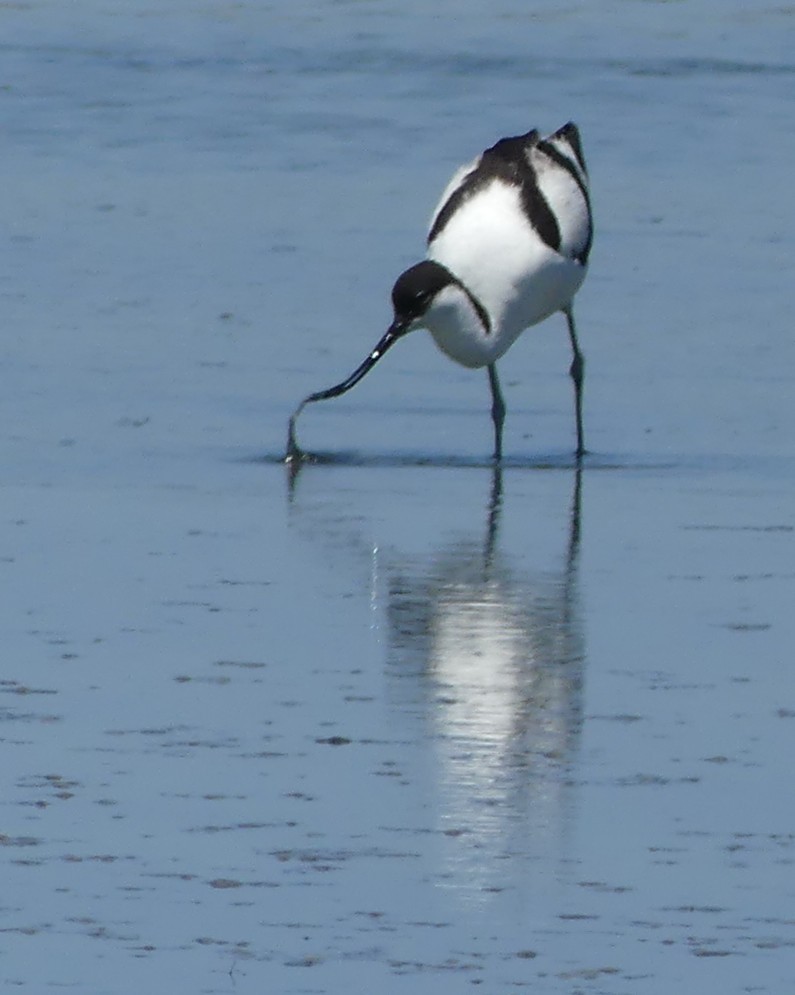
column 484, row 663
column 501, row 654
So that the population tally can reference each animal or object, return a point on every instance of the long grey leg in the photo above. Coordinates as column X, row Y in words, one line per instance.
column 577, row 373
column 497, row 410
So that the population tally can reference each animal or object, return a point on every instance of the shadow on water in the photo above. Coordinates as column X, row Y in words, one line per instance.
column 544, row 461
column 710, row 462
column 484, row 654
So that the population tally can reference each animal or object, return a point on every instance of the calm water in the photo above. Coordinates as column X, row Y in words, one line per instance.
column 401, row 724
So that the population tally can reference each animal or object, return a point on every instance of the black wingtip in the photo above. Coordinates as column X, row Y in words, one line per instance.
column 571, row 133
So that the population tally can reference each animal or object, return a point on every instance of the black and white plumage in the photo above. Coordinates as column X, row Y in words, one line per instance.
column 508, row 246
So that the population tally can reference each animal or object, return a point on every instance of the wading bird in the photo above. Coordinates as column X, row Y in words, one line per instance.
column 508, row 246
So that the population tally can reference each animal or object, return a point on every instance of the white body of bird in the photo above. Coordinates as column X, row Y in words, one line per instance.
column 489, row 243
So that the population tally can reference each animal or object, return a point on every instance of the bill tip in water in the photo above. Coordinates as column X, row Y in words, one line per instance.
column 294, row 452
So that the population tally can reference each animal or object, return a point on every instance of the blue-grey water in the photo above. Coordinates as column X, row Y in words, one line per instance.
column 401, row 724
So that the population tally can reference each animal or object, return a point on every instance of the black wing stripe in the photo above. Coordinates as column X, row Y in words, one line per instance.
column 571, row 133
column 481, row 312
column 468, row 186
column 505, row 160
column 565, row 163
column 508, row 161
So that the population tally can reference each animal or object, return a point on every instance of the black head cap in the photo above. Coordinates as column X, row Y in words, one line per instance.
column 415, row 289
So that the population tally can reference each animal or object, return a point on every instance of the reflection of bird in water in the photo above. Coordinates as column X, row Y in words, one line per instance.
column 484, row 659
column 502, row 656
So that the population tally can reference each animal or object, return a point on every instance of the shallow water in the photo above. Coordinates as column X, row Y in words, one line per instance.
column 395, row 723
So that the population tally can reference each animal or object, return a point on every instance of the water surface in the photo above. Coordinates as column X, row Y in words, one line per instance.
column 399, row 723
